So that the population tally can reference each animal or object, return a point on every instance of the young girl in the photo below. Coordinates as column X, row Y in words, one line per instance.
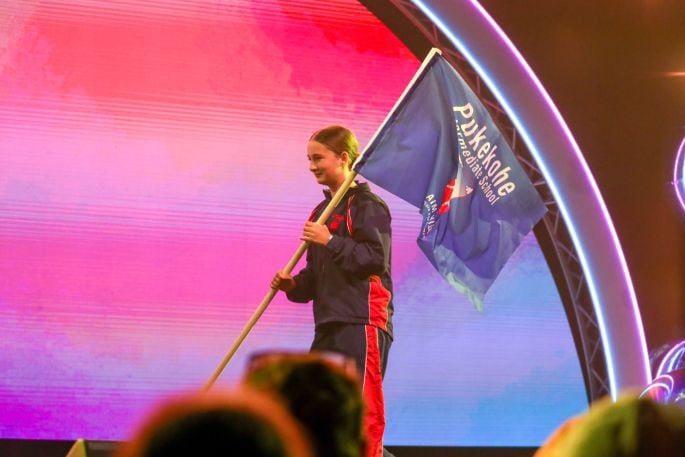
column 348, row 272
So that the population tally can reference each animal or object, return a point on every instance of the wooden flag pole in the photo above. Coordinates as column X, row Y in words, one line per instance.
column 272, row 292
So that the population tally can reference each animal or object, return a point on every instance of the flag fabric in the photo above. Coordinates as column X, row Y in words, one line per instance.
column 440, row 150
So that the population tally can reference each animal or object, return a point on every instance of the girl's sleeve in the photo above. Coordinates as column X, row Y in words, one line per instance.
column 305, row 285
column 367, row 252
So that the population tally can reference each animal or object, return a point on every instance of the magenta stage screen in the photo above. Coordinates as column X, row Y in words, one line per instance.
column 153, row 178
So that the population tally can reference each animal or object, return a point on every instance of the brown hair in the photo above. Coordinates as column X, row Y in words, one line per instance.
column 322, row 391
column 242, row 422
column 338, row 139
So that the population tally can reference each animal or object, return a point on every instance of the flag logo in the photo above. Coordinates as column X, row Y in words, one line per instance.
column 441, row 151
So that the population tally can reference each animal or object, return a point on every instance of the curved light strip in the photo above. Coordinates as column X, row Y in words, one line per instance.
column 679, row 174
column 657, row 385
column 670, row 360
column 627, row 360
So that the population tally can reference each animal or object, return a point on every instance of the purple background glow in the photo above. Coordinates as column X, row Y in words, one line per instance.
column 152, row 179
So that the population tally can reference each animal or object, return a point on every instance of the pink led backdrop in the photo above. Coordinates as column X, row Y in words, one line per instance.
column 152, row 179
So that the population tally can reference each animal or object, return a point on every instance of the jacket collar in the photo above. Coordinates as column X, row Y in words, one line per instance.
column 360, row 187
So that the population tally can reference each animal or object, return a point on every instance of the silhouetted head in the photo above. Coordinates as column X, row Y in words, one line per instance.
column 629, row 427
column 323, row 394
column 240, row 423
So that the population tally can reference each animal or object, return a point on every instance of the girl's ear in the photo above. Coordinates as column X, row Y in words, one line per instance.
column 345, row 158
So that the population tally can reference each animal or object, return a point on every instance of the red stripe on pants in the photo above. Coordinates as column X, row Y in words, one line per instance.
column 374, row 419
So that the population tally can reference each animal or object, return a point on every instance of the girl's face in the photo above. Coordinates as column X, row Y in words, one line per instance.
column 328, row 168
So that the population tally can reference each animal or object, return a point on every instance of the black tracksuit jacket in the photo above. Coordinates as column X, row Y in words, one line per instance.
column 349, row 278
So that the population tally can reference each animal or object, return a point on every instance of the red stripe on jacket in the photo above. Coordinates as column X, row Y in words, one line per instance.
column 379, row 298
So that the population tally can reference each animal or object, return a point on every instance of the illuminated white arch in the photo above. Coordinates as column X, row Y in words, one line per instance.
column 489, row 51
column 679, row 174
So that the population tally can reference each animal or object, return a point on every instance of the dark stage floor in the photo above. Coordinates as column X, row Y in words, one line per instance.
column 57, row 448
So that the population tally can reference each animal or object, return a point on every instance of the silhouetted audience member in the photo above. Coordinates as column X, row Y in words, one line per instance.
column 239, row 423
column 322, row 391
column 558, row 437
column 629, row 427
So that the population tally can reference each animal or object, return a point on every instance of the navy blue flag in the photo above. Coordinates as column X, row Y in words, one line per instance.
column 440, row 150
